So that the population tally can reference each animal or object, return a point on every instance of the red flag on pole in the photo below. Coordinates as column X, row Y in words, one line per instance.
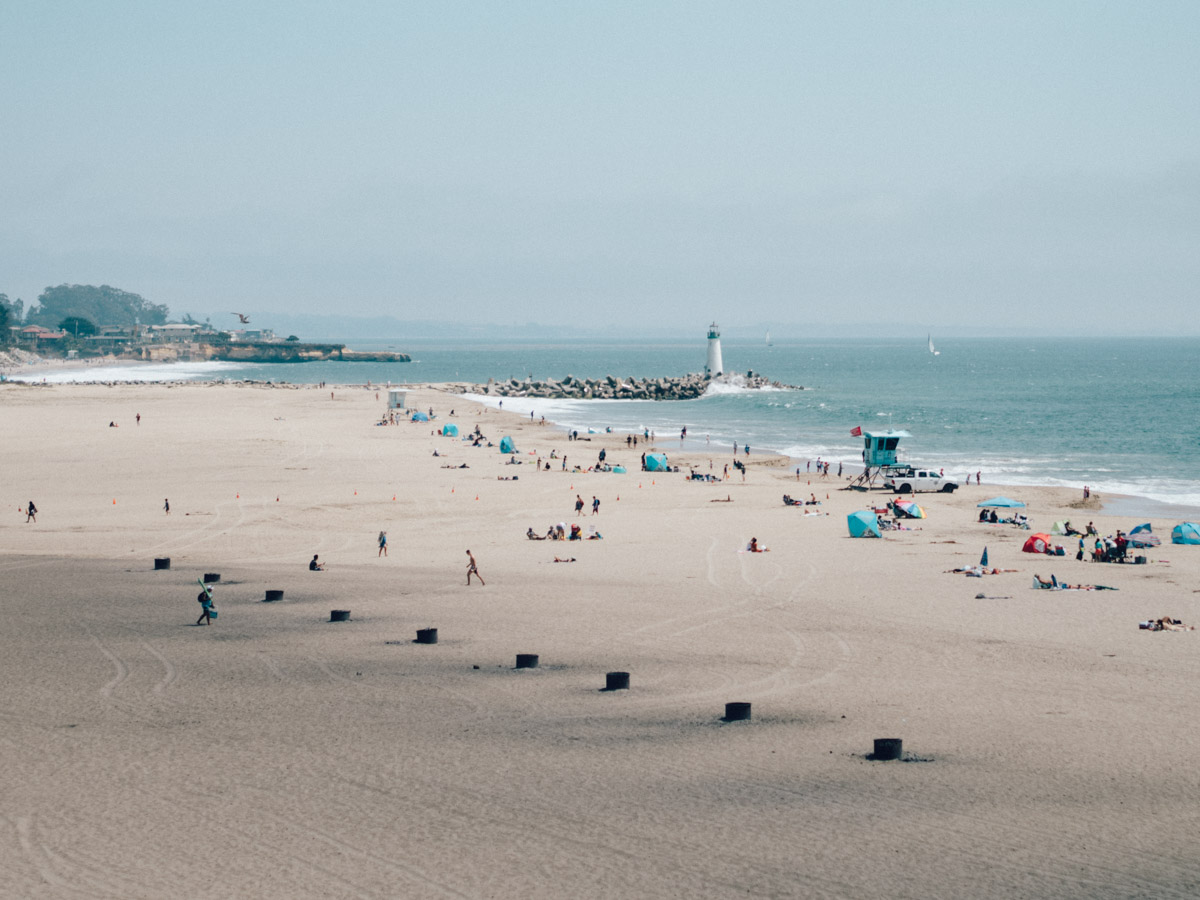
column 856, row 431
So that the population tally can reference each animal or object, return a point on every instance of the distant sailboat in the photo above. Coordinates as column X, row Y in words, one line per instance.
column 931, row 350
column 768, row 337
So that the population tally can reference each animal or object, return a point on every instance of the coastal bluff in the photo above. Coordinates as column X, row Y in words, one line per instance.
column 685, row 387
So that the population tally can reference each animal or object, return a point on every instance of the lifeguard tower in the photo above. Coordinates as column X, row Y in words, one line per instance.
column 396, row 399
column 880, row 450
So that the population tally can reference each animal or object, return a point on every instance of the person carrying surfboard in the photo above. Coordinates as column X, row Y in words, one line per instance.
column 208, row 612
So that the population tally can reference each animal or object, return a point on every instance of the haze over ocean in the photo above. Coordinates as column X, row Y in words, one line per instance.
column 1119, row 415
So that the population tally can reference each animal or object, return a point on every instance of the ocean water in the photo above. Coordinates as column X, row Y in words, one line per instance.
column 1119, row 415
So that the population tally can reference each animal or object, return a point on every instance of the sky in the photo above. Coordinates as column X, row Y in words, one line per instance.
column 935, row 166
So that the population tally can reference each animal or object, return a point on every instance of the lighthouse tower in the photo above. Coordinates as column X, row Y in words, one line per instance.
column 714, row 366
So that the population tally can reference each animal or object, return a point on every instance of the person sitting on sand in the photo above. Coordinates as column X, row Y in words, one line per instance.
column 753, row 547
column 533, row 537
column 1091, row 530
column 1044, row 584
column 560, row 559
column 1069, row 531
column 314, row 566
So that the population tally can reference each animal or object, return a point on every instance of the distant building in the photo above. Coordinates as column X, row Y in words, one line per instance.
column 172, row 334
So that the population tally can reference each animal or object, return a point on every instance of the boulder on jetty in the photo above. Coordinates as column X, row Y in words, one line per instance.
column 686, row 387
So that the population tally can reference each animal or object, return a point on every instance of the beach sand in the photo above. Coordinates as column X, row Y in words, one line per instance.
column 277, row 754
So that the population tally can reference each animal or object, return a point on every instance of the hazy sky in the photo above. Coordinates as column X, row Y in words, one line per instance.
column 933, row 164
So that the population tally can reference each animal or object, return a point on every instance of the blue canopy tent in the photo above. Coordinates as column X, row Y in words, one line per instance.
column 620, row 470
column 1003, row 502
column 1185, row 533
column 419, row 417
column 863, row 523
column 656, row 462
column 450, row 430
column 507, row 445
column 1141, row 536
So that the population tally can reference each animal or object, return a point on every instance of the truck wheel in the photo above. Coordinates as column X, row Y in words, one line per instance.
column 904, row 489
column 948, row 488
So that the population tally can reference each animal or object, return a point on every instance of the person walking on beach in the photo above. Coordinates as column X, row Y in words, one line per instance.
column 473, row 569
column 138, row 417
column 978, row 477
column 382, row 544
column 167, row 506
column 595, row 505
column 207, row 610
column 578, row 505
column 31, row 513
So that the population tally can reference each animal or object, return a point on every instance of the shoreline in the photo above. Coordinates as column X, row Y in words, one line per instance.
column 1123, row 504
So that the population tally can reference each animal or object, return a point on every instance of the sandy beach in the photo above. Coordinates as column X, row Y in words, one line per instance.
column 274, row 753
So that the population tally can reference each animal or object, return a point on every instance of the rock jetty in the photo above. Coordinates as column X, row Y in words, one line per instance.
column 686, row 387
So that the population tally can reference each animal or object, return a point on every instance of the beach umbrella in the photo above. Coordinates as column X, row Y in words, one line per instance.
column 1138, row 529
column 1004, row 502
column 1185, row 533
column 1143, row 539
column 983, row 559
column 909, row 509
column 863, row 523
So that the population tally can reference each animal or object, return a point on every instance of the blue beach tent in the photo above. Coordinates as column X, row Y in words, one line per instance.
column 656, row 462
column 1003, row 502
column 450, row 430
column 863, row 523
column 1185, row 533
column 620, row 470
column 419, row 417
column 507, row 445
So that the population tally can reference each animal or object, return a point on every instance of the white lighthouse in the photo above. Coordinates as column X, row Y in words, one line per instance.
column 714, row 367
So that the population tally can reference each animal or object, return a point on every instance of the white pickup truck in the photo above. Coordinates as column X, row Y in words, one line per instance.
column 910, row 479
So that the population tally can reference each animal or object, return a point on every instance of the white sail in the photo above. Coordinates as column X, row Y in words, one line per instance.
column 931, row 350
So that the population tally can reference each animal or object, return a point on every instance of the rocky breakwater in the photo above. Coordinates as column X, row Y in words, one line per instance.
column 686, row 387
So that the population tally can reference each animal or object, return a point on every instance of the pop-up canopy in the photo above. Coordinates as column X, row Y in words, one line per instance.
column 450, row 430
column 1185, row 533
column 656, row 462
column 863, row 523
column 1039, row 543
column 507, row 445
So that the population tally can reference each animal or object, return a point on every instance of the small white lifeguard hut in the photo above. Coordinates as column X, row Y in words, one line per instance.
column 715, row 366
column 396, row 399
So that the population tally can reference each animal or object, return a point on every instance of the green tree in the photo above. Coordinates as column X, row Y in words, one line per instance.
column 77, row 325
column 5, row 334
column 104, row 305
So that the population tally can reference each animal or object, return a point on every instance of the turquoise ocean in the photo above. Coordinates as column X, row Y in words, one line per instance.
column 1119, row 415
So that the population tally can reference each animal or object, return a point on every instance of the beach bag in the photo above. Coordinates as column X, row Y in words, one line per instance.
column 212, row 612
